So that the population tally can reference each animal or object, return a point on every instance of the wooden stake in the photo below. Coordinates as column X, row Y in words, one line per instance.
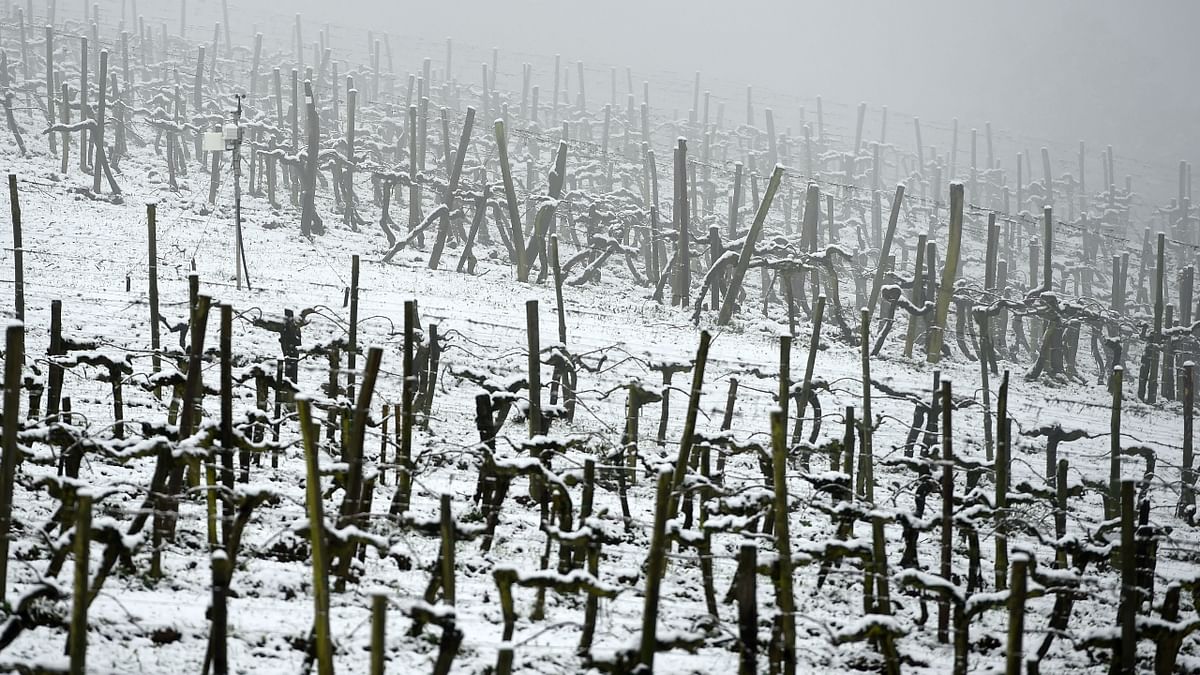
column 655, row 567
column 18, row 252
column 947, row 462
column 77, row 641
column 747, row 599
column 14, row 357
column 514, row 206
column 227, row 441
column 352, row 337
column 54, row 389
column 1001, row 465
column 1187, row 491
column 403, row 495
column 880, row 267
column 809, row 368
column 1114, row 447
column 1125, row 650
column 949, row 273
column 916, row 296
column 783, row 544
column 220, row 618
column 379, row 603
column 535, row 367
column 743, row 262
column 866, row 465
column 689, row 423
column 1015, row 654
column 681, row 289
column 447, row 527
column 309, row 433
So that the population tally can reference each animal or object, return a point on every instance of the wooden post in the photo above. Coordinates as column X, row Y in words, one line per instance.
column 747, row 599
column 381, row 465
column 916, row 295
column 65, row 117
column 348, row 172
column 866, row 465
column 309, row 433
column 880, row 267
column 447, row 528
column 50, row 84
column 1047, row 249
column 947, row 462
column 655, row 567
column 1167, row 381
column 54, row 389
column 14, row 357
column 1167, row 650
column 847, row 467
column 414, row 187
column 681, row 289
column 785, row 600
column 1015, row 654
column 280, row 397
column 809, row 368
column 785, row 377
column 227, row 440
column 77, row 641
column 1001, row 465
column 357, row 494
column 735, row 202
column 403, row 495
column 1114, row 447
column 18, row 251
column 514, row 207
column 1125, row 650
column 689, row 423
column 97, row 137
column 535, row 368
column 431, row 372
column 1152, row 374
column 83, row 104
column 352, row 338
column 743, row 262
column 452, row 186
column 1187, row 490
column 879, row 566
column 985, row 357
column 220, row 617
column 1060, row 510
column 949, row 273
column 629, row 440
column 1186, row 285
column 379, row 603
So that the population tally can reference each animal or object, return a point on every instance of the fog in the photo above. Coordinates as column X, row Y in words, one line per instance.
column 1042, row 73
column 1103, row 71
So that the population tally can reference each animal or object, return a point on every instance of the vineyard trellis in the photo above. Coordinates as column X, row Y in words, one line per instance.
column 305, row 394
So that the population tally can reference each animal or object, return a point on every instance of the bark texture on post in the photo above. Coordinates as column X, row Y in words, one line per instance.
column 949, row 274
column 743, row 262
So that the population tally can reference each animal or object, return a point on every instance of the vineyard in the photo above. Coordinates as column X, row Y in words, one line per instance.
column 329, row 351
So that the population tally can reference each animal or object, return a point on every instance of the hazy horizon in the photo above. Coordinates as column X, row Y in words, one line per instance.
column 1100, row 71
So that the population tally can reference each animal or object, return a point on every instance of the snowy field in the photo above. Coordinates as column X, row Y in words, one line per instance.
column 91, row 254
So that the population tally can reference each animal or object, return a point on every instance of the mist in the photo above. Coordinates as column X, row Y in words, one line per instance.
column 500, row 337
column 1043, row 73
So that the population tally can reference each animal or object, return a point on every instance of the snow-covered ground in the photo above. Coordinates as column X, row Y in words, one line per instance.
column 92, row 255
column 82, row 251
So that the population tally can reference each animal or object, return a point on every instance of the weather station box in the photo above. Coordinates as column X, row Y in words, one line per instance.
column 214, row 141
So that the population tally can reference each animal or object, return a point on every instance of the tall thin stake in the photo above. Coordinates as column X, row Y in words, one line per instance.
column 316, row 523
column 14, row 355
